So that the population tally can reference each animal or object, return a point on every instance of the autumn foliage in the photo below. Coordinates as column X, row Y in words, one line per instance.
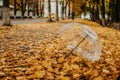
column 32, row 51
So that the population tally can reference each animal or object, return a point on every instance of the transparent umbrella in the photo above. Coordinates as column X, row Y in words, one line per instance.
column 80, row 38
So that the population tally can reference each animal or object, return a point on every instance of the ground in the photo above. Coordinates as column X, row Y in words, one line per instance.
column 33, row 51
column 25, row 21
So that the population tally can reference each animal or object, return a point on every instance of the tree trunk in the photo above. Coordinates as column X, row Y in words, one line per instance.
column 73, row 5
column 108, row 14
column 117, row 10
column 62, row 10
column 57, row 10
column 49, row 11
column 65, row 12
column 97, row 12
column 6, row 13
column 28, row 13
column 69, row 10
column 37, row 11
column 28, row 10
column 43, row 7
column 103, row 12
column 66, row 8
column 40, row 8
column 92, row 14
column 34, row 9
column 14, row 8
column 112, row 10
column 23, row 12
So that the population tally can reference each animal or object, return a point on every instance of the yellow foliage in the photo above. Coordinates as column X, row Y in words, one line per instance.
column 31, row 51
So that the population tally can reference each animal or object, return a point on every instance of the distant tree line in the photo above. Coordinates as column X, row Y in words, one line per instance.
column 29, row 6
column 102, row 11
column 109, row 8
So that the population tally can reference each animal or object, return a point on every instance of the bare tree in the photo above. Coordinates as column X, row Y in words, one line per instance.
column 6, row 13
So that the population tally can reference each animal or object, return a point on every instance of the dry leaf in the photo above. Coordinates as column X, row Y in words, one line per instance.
column 98, row 78
column 2, row 74
column 105, row 71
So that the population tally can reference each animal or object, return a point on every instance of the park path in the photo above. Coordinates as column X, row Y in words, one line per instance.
column 25, row 21
column 26, row 34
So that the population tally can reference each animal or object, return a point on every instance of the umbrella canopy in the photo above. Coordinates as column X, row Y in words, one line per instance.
column 80, row 38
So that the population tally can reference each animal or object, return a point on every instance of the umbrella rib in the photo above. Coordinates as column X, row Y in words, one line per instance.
column 78, row 44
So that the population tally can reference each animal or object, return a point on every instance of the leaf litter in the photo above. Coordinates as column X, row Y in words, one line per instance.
column 31, row 51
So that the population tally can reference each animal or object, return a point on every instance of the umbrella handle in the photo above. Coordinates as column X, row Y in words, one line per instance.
column 76, row 46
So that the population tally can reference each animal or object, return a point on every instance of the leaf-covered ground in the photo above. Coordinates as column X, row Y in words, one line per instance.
column 33, row 52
